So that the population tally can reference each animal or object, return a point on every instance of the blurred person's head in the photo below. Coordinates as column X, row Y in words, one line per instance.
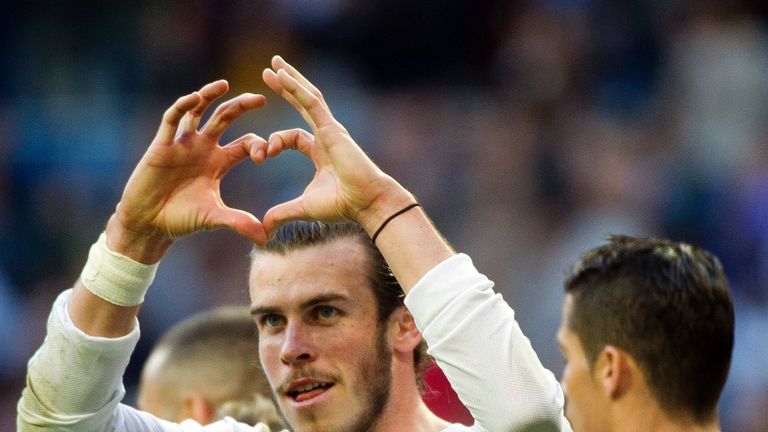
column 647, row 331
column 207, row 367
column 335, row 338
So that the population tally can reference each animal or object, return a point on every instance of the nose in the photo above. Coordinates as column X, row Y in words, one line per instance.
column 297, row 347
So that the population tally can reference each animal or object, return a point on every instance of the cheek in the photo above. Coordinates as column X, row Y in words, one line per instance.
column 579, row 398
column 571, row 385
column 565, row 380
column 269, row 356
column 567, row 386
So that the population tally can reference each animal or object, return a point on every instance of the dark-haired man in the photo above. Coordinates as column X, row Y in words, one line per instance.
column 647, row 333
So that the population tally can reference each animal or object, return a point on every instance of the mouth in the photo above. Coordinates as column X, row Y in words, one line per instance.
column 305, row 390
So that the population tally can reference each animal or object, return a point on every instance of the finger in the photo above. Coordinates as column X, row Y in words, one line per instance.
column 270, row 79
column 209, row 93
column 242, row 222
column 279, row 63
column 295, row 139
column 283, row 213
column 172, row 117
column 229, row 111
column 273, row 82
column 312, row 103
column 248, row 145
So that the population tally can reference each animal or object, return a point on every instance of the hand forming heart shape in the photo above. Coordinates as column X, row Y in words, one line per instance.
column 175, row 189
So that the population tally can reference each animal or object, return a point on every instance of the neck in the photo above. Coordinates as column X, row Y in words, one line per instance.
column 418, row 419
column 647, row 417
column 405, row 410
column 665, row 425
column 414, row 416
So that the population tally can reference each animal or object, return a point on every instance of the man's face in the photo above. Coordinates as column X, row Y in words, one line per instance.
column 584, row 406
column 321, row 345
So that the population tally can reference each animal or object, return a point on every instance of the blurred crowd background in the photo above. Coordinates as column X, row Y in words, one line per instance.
column 529, row 130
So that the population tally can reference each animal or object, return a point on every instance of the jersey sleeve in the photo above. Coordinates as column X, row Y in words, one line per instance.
column 473, row 335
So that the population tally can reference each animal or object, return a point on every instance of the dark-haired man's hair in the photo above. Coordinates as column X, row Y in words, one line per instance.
column 386, row 289
column 665, row 303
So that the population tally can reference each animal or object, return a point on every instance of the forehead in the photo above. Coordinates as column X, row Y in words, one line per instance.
column 567, row 338
column 339, row 267
column 564, row 332
column 567, row 308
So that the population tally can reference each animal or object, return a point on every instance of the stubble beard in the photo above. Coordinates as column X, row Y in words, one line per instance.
column 374, row 370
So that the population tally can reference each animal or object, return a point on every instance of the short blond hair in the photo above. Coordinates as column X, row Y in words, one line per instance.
column 215, row 354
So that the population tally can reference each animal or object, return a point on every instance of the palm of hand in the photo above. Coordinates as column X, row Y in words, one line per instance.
column 175, row 189
column 322, row 199
column 178, row 189
column 343, row 183
column 334, row 196
column 347, row 184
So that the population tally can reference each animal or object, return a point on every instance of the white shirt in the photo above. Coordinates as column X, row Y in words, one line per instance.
column 472, row 333
column 74, row 380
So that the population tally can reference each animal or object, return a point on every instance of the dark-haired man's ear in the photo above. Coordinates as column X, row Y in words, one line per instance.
column 615, row 370
column 404, row 336
column 198, row 408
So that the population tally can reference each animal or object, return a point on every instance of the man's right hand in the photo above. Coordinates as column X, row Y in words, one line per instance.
column 174, row 189
column 347, row 184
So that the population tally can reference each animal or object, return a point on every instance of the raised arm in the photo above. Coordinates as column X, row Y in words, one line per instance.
column 348, row 185
column 469, row 328
column 74, row 380
column 173, row 192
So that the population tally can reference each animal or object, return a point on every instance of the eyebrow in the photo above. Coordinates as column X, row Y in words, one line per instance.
column 314, row 301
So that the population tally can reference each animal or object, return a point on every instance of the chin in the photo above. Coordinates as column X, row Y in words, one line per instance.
column 318, row 426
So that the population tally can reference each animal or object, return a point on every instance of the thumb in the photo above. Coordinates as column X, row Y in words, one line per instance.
column 280, row 214
column 242, row 222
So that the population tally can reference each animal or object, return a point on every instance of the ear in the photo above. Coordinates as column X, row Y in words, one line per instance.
column 404, row 336
column 198, row 408
column 614, row 371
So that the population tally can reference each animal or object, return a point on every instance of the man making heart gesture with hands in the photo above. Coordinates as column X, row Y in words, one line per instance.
column 339, row 347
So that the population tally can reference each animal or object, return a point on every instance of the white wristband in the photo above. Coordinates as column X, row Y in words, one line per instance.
column 114, row 277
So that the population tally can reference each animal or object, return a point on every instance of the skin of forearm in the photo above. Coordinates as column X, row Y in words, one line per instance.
column 410, row 243
column 98, row 317
column 141, row 247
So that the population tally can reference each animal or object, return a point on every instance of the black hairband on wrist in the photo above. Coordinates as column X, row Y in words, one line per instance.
column 378, row 231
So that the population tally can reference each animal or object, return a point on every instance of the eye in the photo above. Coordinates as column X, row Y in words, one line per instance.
column 326, row 312
column 272, row 320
